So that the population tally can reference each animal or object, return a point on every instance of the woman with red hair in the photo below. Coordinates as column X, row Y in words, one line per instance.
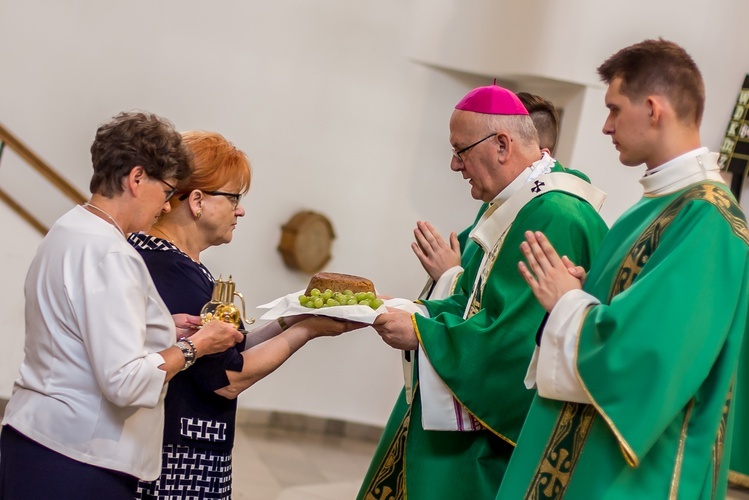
column 200, row 406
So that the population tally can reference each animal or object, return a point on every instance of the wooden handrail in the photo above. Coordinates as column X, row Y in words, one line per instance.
column 25, row 215
column 40, row 166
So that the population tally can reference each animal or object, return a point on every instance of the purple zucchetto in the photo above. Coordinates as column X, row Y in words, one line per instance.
column 492, row 100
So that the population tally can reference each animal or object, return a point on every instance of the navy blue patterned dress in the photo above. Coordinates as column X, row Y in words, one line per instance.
column 198, row 423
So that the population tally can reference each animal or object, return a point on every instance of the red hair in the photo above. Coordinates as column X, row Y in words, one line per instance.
column 216, row 163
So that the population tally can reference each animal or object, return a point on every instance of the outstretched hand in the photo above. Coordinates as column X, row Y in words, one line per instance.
column 323, row 326
column 549, row 276
column 434, row 253
column 396, row 328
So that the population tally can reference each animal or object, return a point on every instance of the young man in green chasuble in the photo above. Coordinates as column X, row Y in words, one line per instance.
column 455, row 438
column 637, row 362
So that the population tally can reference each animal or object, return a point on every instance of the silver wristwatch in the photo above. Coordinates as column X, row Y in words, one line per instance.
column 188, row 352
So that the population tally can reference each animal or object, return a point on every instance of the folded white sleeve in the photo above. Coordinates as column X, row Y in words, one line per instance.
column 553, row 366
column 408, row 306
column 408, row 357
column 445, row 285
column 440, row 410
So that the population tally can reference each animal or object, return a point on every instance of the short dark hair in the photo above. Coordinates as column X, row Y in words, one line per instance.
column 545, row 118
column 659, row 67
column 137, row 138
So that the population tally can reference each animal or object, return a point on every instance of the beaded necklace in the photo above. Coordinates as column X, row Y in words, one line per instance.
column 111, row 219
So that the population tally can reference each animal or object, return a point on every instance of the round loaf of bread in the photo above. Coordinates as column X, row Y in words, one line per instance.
column 337, row 282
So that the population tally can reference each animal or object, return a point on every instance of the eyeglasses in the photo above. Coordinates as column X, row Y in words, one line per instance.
column 457, row 154
column 171, row 191
column 233, row 197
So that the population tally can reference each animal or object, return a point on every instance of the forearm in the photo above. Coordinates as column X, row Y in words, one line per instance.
column 174, row 362
column 175, row 359
column 263, row 333
column 213, row 338
column 263, row 359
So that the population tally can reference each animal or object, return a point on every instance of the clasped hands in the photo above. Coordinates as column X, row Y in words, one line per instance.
column 434, row 253
column 548, row 275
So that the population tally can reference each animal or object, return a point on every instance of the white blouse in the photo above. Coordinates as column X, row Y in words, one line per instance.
column 89, row 386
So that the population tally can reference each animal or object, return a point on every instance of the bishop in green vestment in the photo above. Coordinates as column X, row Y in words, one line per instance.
column 636, row 372
column 437, row 255
column 476, row 343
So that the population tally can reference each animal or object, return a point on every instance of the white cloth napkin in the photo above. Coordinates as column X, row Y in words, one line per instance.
column 289, row 305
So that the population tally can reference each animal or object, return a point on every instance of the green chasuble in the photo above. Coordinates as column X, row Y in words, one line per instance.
column 657, row 358
column 482, row 360
column 468, row 247
column 738, row 474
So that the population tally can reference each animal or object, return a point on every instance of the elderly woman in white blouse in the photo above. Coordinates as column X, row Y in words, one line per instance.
column 85, row 418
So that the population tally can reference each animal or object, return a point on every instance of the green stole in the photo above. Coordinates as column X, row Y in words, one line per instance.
column 657, row 428
column 468, row 247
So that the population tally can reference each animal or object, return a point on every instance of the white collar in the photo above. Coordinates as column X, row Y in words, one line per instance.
column 696, row 165
column 537, row 169
column 495, row 221
column 674, row 161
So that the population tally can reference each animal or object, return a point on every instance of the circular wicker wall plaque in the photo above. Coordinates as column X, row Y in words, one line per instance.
column 306, row 241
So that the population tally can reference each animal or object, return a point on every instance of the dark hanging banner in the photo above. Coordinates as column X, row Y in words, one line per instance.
column 734, row 152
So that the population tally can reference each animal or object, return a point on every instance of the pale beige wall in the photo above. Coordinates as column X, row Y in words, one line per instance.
column 342, row 107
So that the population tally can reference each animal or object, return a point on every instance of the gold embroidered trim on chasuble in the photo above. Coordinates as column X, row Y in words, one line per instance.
column 649, row 239
column 562, row 452
column 389, row 481
column 676, row 476
column 720, row 440
column 454, row 284
column 478, row 292
column 551, row 481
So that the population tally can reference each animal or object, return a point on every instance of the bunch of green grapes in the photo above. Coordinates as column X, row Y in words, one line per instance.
column 317, row 299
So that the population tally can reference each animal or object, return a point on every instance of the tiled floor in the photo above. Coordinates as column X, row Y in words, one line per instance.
column 272, row 461
column 277, row 464
column 738, row 495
